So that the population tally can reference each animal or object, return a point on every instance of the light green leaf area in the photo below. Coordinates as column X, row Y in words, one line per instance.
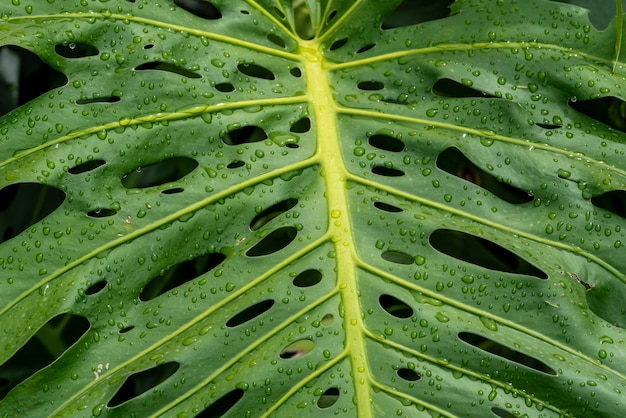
column 282, row 209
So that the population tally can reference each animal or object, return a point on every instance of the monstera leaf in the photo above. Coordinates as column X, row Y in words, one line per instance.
column 278, row 208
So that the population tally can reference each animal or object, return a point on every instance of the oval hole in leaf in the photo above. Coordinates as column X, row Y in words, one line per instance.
column 222, row 405
column 96, row 287
column 297, row 349
column 370, row 85
column 31, row 78
column 25, row 204
column 244, row 135
column 224, row 87
column 165, row 171
column 173, row 190
column 249, row 313
column 33, row 356
column 106, row 99
column 273, row 242
column 548, row 126
column 302, row 17
column 386, row 143
column 277, row 209
column 167, row 67
column 338, row 44
column 381, row 170
column 236, row 164
column 453, row 161
column 331, row 16
column 387, row 208
column 276, row 40
column 412, row 12
column 327, row 320
column 502, row 413
column 101, row 213
column 180, row 274
column 365, row 48
column 85, row 167
column 500, row 350
column 613, row 201
column 408, row 375
column 141, row 382
column 481, row 252
column 126, row 329
column 328, row 398
column 395, row 306
column 76, row 50
column 200, row 8
column 308, row 278
column 301, row 126
column 446, row 87
column 255, row 70
column 295, row 71
column 398, row 257
column 610, row 110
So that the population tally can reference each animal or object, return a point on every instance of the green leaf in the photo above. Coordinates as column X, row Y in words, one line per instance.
column 277, row 208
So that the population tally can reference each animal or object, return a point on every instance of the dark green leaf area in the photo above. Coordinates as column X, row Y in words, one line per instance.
column 43, row 348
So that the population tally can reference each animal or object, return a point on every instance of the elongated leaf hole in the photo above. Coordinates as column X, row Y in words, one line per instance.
column 327, row 320
column 236, row 164
column 96, row 287
column 106, row 99
column 279, row 13
column 338, row 44
column 249, row 313
column 449, row 88
column 398, row 257
column 24, row 204
column 502, row 413
column 222, row 405
column 386, row 143
column 296, row 72
column 101, row 213
column 412, row 12
column 481, row 252
column 27, row 77
column 276, row 40
column 328, row 398
column 301, row 126
column 76, row 50
column 277, row 209
column 273, row 242
column 244, row 135
column 331, row 16
column 408, row 375
column 200, row 8
column 167, row 67
column 255, row 70
column 394, row 306
column 382, row 170
column 224, row 87
column 85, row 167
column 180, row 274
column 148, row 46
column 387, row 207
column 297, row 349
column 456, row 163
column 141, row 382
column 548, row 126
column 65, row 329
column 308, row 278
column 173, row 190
column 370, row 85
column 165, row 171
column 610, row 111
column 365, row 48
column 500, row 350
column 613, row 201
column 126, row 329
